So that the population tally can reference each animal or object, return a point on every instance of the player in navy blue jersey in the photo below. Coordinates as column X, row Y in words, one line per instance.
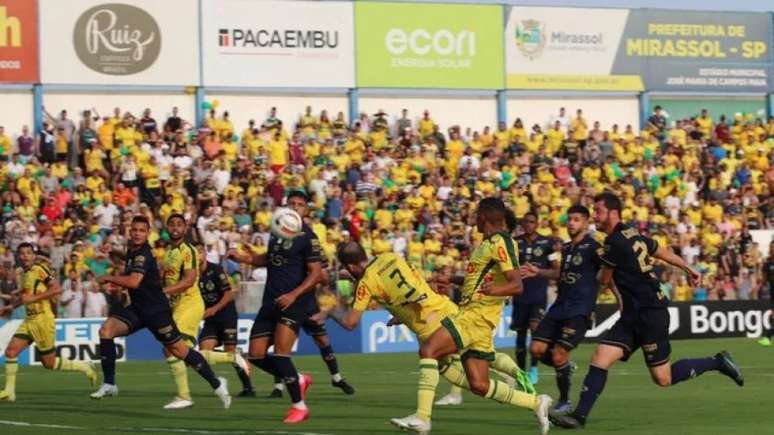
column 144, row 305
column 629, row 259
column 220, row 316
column 529, row 307
column 768, row 281
column 293, row 271
column 564, row 325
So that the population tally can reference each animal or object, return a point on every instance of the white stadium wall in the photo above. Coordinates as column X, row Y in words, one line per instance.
column 160, row 104
column 609, row 111
column 15, row 111
column 243, row 107
column 472, row 112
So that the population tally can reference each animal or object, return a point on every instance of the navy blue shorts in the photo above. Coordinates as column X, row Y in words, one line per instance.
column 524, row 314
column 222, row 329
column 648, row 328
column 567, row 333
column 270, row 315
column 160, row 324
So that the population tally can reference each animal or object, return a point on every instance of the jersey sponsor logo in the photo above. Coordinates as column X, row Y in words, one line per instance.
column 577, row 260
column 362, row 293
column 538, row 251
column 502, row 254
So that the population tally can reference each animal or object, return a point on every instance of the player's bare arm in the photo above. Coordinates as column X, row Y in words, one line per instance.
column 670, row 257
column 184, row 284
column 228, row 296
column 512, row 286
column 131, row 281
column 251, row 258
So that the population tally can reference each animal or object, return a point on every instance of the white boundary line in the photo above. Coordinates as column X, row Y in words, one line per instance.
column 158, row 429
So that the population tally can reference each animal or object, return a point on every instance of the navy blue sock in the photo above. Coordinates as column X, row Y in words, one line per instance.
column 563, row 380
column 265, row 364
column 521, row 348
column 330, row 359
column 107, row 354
column 690, row 368
column 244, row 378
column 592, row 388
column 196, row 361
column 289, row 375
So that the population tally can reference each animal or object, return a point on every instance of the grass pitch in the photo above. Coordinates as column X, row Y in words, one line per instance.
column 58, row 403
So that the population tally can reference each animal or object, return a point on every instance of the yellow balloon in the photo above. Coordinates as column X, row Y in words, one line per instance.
column 215, row 104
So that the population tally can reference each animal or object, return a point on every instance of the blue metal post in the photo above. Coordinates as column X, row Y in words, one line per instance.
column 502, row 107
column 644, row 109
column 354, row 109
column 37, row 108
column 199, row 110
column 770, row 105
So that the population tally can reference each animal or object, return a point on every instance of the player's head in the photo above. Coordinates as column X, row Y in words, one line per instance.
column 491, row 215
column 139, row 230
column 529, row 223
column 353, row 257
column 201, row 255
column 26, row 254
column 577, row 220
column 510, row 220
column 298, row 201
column 176, row 226
column 607, row 211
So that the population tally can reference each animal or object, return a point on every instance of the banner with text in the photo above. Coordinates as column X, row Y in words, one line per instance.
column 278, row 43
column 429, row 45
column 18, row 41
column 658, row 50
column 96, row 42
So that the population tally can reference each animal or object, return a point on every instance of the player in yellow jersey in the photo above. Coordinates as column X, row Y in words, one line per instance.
column 39, row 290
column 389, row 280
column 180, row 278
column 492, row 275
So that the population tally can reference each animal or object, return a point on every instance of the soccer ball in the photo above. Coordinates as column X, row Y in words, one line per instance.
column 286, row 223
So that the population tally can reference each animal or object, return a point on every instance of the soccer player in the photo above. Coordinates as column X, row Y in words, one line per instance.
column 628, row 259
column 768, row 278
column 144, row 304
column 220, row 316
column 529, row 306
column 565, row 324
column 38, row 292
column 389, row 280
column 492, row 276
column 293, row 271
column 316, row 329
column 180, row 276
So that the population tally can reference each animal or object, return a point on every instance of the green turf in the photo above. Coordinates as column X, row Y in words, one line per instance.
column 385, row 386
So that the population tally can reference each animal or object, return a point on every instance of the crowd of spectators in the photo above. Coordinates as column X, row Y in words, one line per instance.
column 398, row 183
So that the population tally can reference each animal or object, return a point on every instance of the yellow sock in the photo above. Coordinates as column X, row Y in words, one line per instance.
column 180, row 375
column 501, row 392
column 505, row 364
column 67, row 365
column 428, row 380
column 215, row 357
column 11, row 367
column 453, row 372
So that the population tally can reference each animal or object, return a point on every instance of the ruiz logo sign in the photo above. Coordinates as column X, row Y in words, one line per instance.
column 117, row 39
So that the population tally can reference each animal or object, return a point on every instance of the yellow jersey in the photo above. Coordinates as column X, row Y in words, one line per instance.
column 488, row 263
column 178, row 260
column 34, row 281
column 402, row 291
